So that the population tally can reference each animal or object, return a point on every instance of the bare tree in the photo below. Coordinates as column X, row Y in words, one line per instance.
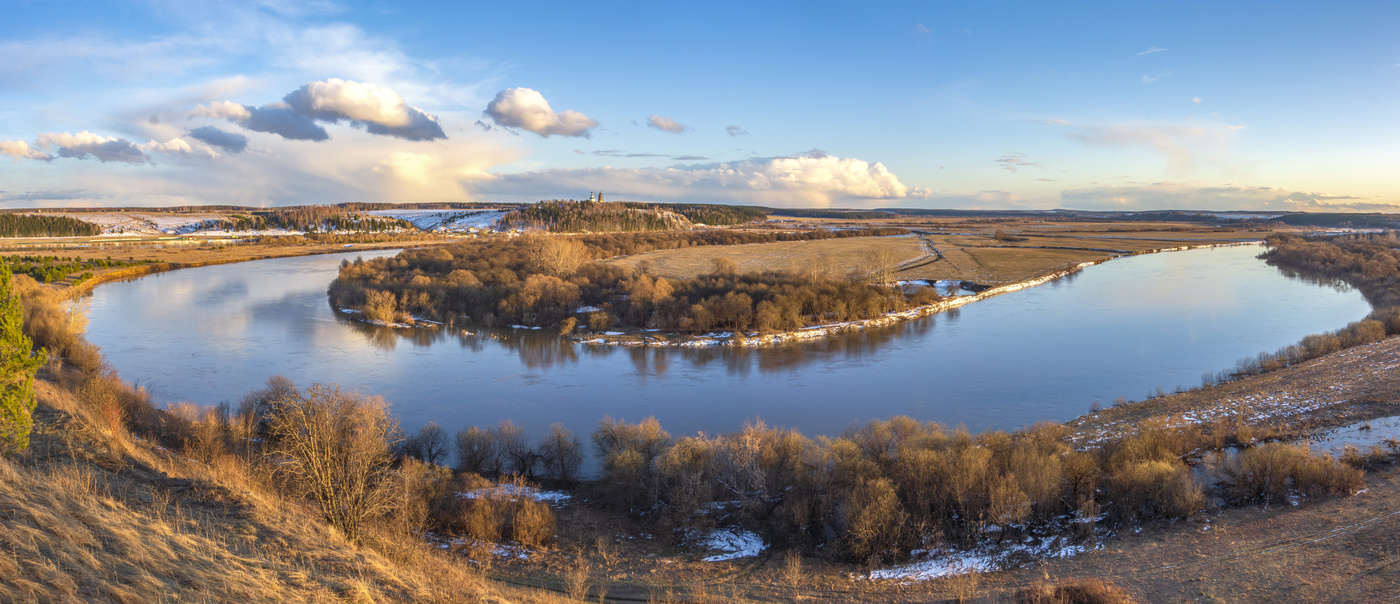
column 477, row 451
column 433, row 440
column 882, row 262
column 561, row 453
column 556, row 255
column 336, row 446
column 515, row 449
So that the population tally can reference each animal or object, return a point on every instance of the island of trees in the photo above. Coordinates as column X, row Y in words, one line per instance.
column 554, row 280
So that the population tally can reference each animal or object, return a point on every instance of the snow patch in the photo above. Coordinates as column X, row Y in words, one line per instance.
column 733, row 544
column 554, row 497
column 946, row 563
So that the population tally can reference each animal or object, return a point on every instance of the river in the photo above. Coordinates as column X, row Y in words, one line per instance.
column 1118, row 329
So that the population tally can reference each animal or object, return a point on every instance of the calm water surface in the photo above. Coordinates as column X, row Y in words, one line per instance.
column 1118, row 329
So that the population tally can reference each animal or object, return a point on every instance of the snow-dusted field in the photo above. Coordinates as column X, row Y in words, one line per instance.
column 454, row 221
column 145, row 223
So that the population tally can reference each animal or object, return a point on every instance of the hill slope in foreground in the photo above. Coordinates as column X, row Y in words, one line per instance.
column 88, row 516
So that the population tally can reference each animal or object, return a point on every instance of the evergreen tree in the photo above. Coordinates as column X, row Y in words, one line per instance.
column 18, row 364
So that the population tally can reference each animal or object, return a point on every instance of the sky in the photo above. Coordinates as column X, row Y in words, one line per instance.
column 990, row 105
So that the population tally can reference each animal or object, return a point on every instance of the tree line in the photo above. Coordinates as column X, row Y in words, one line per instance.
column 45, row 225
column 50, row 269
column 546, row 280
column 569, row 216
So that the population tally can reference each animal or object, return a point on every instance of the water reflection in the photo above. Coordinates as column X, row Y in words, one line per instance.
column 1117, row 329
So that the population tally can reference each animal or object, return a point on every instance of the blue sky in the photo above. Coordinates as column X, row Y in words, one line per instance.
column 1125, row 105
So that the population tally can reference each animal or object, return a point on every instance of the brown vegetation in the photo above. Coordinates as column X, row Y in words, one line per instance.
column 540, row 280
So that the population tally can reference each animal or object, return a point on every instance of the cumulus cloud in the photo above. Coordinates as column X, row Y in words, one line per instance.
column 376, row 108
column 526, row 109
column 1013, row 162
column 84, row 145
column 812, row 178
column 666, row 124
column 736, row 131
column 1198, row 196
column 232, row 142
column 273, row 118
column 17, row 150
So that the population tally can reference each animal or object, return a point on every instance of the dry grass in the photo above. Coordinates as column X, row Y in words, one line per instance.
column 1344, row 387
column 88, row 516
column 834, row 257
column 970, row 252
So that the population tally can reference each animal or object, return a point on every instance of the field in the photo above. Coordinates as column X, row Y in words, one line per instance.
column 989, row 254
column 185, row 253
column 833, row 257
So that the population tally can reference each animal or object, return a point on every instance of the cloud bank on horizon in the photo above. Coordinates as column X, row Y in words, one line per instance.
column 313, row 103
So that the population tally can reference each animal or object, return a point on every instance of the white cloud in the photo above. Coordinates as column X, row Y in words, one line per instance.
column 1182, row 143
column 811, row 179
column 1201, row 196
column 1152, row 50
column 86, row 144
column 1196, row 100
column 736, row 131
column 178, row 146
column 526, row 109
column 666, row 124
column 377, row 108
column 17, row 150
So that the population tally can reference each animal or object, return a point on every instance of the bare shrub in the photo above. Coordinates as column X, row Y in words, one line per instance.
column 506, row 511
column 792, row 575
column 533, row 523
column 337, row 451
column 874, row 521
column 607, row 551
column 1268, row 472
column 381, row 305
column 1151, row 489
column 1075, row 591
column 421, row 488
column 577, row 579
column 55, row 324
column 629, row 453
column 255, row 408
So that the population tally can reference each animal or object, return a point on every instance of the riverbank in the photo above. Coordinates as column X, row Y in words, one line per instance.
column 653, row 338
column 165, row 260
